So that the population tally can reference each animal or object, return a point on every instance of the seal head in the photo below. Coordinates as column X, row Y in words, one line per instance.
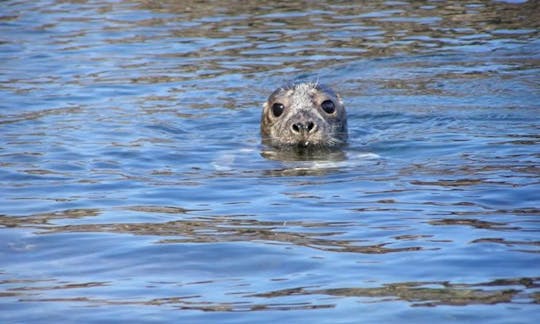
column 304, row 115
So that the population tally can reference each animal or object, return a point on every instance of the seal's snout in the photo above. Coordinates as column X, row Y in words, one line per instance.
column 304, row 124
column 303, row 127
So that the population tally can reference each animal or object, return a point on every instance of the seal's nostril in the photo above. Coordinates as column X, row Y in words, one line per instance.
column 307, row 127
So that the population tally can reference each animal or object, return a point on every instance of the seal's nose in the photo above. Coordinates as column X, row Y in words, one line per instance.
column 303, row 127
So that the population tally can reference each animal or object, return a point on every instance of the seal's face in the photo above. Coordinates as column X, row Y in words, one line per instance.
column 305, row 115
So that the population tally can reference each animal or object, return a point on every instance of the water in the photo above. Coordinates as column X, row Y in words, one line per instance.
column 133, row 185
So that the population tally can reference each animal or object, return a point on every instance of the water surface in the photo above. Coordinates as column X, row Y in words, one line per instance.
column 133, row 185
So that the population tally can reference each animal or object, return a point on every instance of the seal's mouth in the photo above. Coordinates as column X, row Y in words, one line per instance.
column 305, row 144
column 304, row 140
column 308, row 145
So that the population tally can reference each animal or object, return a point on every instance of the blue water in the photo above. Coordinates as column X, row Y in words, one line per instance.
column 134, row 187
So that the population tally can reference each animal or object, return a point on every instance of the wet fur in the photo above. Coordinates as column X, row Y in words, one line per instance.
column 303, row 103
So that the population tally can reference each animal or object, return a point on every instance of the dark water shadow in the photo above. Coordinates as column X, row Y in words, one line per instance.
column 432, row 293
column 417, row 294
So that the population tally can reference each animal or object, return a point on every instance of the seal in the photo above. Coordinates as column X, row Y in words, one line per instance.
column 304, row 116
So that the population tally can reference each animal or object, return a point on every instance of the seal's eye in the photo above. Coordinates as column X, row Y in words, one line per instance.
column 277, row 109
column 328, row 106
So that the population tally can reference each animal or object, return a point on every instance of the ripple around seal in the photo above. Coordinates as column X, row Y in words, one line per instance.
column 133, row 185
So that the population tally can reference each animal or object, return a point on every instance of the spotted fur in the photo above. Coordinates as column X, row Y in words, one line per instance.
column 303, row 107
